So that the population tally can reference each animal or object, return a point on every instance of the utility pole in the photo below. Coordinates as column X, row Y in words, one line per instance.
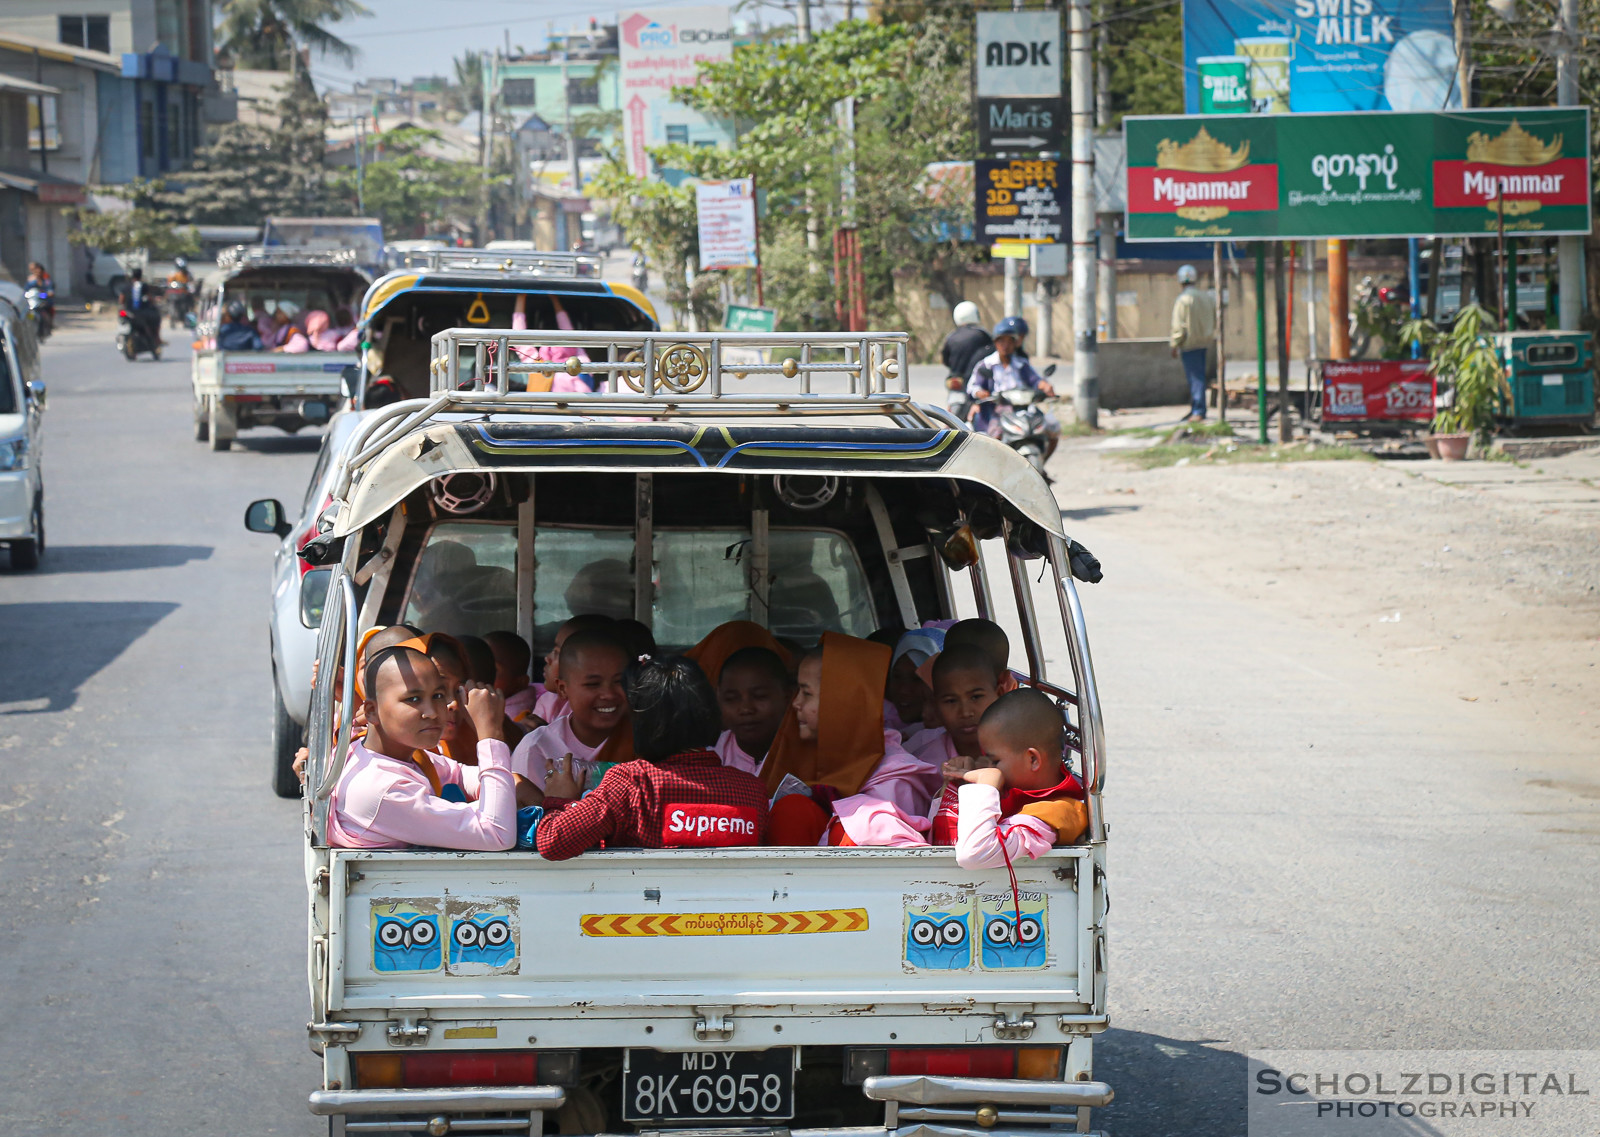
column 572, row 150
column 361, row 165
column 483, row 151
column 1219, row 282
column 1285, row 430
column 1569, row 250
column 1086, row 357
column 802, row 23
column 1261, row 340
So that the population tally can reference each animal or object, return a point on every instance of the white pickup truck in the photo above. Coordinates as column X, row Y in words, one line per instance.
column 847, row 992
column 236, row 390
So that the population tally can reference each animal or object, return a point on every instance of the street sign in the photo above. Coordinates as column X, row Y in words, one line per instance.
column 1018, row 54
column 1022, row 200
column 1019, row 123
column 661, row 48
column 726, row 212
column 743, row 318
column 1320, row 55
column 1270, row 177
column 1377, row 391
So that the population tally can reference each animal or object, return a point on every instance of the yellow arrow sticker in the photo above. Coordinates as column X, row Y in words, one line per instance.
column 723, row 923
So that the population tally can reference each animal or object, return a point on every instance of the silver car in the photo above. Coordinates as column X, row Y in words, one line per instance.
column 298, row 590
column 22, row 401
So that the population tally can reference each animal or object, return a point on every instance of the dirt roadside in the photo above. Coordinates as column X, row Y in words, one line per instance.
column 1485, row 586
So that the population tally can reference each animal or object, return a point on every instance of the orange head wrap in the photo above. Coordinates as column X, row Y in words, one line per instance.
column 849, row 742
column 725, row 639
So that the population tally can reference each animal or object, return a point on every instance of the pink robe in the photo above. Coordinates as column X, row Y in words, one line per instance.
column 550, row 705
column 561, row 381
column 986, row 841
column 520, row 705
column 900, row 781
column 385, row 803
column 552, row 741
column 733, row 755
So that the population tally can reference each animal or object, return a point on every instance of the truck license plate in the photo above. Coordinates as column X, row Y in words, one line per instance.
column 710, row 1085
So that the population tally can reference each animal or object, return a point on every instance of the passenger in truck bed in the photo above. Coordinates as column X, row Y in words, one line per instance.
column 512, row 658
column 678, row 794
column 389, row 794
column 908, row 696
column 1029, row 801
column 833, row 739
column 592, row 665
column 754, row 691
column 551, row 702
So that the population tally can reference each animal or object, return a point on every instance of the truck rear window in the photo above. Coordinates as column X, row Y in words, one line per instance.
column 466, row 581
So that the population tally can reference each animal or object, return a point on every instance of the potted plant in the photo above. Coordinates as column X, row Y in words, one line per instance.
column 1464, row 358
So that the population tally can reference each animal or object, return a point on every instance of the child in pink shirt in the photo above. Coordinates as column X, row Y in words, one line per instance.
column 560, row 381
column 592, row 663
column 551, row 702
column 754, row 691
column 389, row 794
column 512, row 656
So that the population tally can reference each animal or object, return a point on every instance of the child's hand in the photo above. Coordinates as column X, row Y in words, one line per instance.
column 527, row 793
column 560, row 781
column 958, row 767
column 301, row 757
column 989, row 777
column 486, row 707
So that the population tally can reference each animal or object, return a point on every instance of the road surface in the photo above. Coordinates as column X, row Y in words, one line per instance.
column 1306, row 849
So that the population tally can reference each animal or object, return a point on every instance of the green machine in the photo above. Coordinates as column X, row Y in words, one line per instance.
column 1551, row 376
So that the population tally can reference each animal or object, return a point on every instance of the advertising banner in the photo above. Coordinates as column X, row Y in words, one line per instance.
column 1018, row 55
column 1320, row 55
column 727, row 215
column 1022, row 200
column 1380, row 391
column 1261, row 177
column 660, row 49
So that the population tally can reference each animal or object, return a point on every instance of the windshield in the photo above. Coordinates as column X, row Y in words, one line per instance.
column 465, row 582
column 366, row 237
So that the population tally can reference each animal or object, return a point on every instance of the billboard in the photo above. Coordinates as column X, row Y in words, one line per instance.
column 1377, row 391
column 1448, row 173
column 1022, row 200
column 1016, row 81
column 660, row 49
column 726, row 212
column 1278, row 56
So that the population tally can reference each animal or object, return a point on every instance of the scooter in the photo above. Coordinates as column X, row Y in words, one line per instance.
column 641, row 273
column 1024, row 426
column 135, row 337
column 957, row 402
column 42, row 308
column 180, row 305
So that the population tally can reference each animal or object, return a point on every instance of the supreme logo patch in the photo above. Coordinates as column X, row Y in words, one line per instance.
column 699, row 824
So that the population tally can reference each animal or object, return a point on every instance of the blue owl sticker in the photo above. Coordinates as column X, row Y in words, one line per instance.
column 484, row 937
column 939, row 940
column 1013, row 931
column 405, row 938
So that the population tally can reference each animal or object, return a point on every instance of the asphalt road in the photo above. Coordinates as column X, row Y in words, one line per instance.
column 1306, row 851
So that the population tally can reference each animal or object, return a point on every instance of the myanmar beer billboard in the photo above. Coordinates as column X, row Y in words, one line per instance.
column 1268, row 177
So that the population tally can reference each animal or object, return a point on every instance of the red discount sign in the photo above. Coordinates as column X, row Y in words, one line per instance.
column 1399, row 389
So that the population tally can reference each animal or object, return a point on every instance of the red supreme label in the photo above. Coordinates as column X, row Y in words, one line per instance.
column 1458, row 184
column 1153, row 190
column 699, row 824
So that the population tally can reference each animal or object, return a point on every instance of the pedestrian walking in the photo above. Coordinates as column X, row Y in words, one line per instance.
column 1194, row 322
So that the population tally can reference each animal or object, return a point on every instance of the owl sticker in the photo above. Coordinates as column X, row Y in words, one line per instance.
column 1011, row 943
column 939, row 940
column 484, row 938
column 405, row 938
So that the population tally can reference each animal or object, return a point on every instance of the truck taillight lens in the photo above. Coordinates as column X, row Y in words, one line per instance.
column 466, row 1068
column 1036, row 1063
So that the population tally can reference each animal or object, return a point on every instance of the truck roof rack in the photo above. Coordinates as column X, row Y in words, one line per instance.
column 260, row 256
column 684, row 368
column 507, row 262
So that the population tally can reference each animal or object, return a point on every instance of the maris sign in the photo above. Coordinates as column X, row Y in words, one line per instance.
column 1264, row 177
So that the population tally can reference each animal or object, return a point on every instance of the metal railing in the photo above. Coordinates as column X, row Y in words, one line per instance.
column 671, row 365
column 259, row 256
column 570, row 266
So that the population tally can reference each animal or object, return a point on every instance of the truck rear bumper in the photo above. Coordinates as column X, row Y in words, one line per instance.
column 466, row 1099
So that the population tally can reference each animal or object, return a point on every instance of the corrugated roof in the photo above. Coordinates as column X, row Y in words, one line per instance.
column 60, row 52
column 12, row 83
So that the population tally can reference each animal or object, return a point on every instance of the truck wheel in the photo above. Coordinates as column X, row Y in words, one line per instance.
column 202, row 421
column 217, row 425
column 287, row 737
column 25, row 553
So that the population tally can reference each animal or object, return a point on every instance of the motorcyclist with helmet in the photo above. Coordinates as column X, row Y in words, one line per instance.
column 141, row 306
column 180, row 291
column 965, row 346
column 1004, row 369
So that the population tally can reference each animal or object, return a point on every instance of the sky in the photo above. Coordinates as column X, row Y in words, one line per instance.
column 405, row 39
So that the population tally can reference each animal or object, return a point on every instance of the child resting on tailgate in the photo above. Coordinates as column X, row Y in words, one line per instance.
column 389, row 793
column 679, row 795
column 754, row 691
column 592, row 664
column 552, row 701
column 1029, row 801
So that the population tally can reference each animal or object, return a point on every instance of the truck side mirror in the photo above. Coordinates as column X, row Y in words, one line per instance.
column 36, row 392
column 267, row 516
column 350, row 380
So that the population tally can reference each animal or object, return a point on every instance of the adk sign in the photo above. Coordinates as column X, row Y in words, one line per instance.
column 1017, row 81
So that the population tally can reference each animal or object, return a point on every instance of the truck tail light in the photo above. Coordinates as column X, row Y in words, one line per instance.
column 466, row 1068
column 1036, row 1063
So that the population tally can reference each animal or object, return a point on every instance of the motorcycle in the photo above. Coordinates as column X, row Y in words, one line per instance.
column 42, row 310
column 135, row 337
column 641, row 273
column 957, row 402
column 180, row 305
column 1024, row 425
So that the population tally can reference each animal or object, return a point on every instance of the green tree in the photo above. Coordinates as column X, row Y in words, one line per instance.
column 469, row 80
column 1144, row 51
column 146, row 224
column 249, row 172
column 411, row 191
column 267, row 34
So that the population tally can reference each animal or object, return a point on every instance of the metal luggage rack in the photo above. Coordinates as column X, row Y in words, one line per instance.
column 259, row 256
column 676, row 366
column 571, row 266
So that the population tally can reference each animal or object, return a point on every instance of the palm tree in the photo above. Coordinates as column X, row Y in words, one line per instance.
column 267, row 34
